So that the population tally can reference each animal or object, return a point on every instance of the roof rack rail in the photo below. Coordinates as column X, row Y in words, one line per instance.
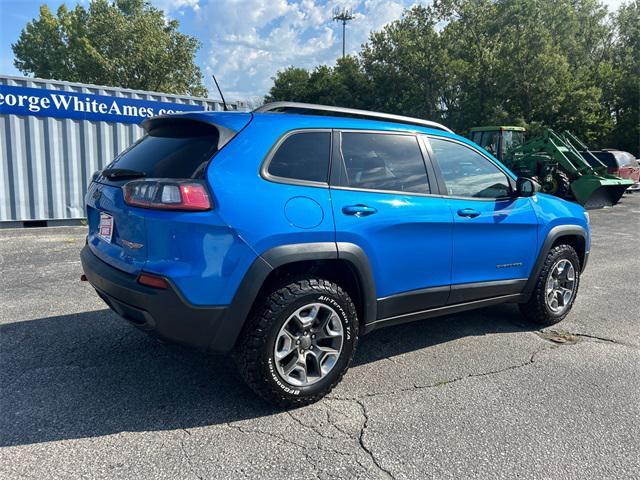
column 310, row 109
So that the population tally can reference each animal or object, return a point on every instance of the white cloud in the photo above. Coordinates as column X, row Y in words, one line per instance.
column 250, row 40
column 174, row 5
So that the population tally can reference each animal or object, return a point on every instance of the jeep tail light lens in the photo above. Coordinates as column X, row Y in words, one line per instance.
column 167, row 194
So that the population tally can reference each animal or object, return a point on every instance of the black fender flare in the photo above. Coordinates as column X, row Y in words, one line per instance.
column 360, row 262
column 554, row 234
column 249, row 288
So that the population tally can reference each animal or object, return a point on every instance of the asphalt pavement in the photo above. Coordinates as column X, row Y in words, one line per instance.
column 476, row 395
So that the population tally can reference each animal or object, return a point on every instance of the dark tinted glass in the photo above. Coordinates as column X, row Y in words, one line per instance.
column 303, row 156
column 383, row 162
column 605, row 157
column 466, row 173
column 177, row 150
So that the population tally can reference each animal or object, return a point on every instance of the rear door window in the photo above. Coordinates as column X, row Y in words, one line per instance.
column 303, row 156
column 377, row 161
column 177, row 150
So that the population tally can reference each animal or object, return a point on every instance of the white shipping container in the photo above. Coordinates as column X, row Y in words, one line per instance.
column 47, row 158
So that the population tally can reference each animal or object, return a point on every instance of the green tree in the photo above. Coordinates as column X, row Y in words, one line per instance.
column 522, row 62
column 546, row 63
column 124, row 43
column 407, row 67
column 290, row 84
column 344, row 85
column 625, row 91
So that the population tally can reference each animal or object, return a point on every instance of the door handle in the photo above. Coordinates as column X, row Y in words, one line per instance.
column 359, row 210
column 468, row 212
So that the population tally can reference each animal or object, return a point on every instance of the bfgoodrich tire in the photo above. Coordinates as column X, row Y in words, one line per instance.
column 298, row 342
column 556, row 287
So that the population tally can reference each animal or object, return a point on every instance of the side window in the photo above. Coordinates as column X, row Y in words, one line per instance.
column 303, row 156
column 383, row 162
column 466, row 173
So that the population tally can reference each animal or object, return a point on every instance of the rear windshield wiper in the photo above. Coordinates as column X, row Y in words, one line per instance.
column 116, row 173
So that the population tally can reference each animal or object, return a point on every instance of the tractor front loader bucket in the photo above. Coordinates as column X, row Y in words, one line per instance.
column 597, row 191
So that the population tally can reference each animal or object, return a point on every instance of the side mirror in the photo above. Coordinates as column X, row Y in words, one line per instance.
column 525, row 187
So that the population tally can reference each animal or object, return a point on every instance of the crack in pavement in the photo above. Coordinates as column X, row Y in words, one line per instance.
column 187, row 457
column 307, row 449
column 386, row 473
column 446, row 381
column 528, row 362
column 310, row 451
column 257, row 431
column 603, row 339
column 360, row 399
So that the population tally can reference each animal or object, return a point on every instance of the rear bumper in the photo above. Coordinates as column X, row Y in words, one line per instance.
column 163, row 313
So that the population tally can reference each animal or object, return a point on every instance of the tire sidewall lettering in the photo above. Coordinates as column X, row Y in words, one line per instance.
column 274, row 375
column 348, row 339
column 343, row 315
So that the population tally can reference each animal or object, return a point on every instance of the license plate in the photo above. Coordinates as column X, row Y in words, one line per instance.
column 105, row 229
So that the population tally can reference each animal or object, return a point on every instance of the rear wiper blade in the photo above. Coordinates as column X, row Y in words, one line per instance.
column 114, row 173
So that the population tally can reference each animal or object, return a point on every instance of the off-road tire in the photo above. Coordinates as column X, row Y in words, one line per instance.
column 536, row 309
column 254, row 353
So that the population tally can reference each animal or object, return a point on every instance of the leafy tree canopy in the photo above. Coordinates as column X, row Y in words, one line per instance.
column 567, row 64
column 121, row 43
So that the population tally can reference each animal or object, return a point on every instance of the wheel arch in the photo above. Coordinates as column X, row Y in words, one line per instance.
column 573, row 235
column 343, row 263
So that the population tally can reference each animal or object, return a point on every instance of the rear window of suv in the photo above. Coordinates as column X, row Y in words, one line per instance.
column 174, row 150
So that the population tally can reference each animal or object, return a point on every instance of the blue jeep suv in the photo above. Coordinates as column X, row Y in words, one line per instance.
column 284, row 234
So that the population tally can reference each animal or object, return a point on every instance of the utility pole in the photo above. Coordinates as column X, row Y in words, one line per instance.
column 344, row 15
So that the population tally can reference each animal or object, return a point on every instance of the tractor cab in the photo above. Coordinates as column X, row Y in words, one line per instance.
column 497, row 140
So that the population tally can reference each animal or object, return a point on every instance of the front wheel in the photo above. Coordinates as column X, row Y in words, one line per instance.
column 557, row 184
column 299, row 342
column 556, row 287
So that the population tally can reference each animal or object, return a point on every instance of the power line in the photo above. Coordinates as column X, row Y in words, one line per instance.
column 344, row 15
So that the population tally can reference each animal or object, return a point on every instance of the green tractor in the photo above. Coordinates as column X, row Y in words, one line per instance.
column 555, row 161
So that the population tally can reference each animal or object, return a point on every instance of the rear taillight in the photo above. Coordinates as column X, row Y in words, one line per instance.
column 167, row 194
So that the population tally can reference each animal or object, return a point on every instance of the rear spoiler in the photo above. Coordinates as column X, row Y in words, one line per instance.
column 228, row 124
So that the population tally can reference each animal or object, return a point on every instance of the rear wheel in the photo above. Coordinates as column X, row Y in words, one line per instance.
column 556, row 287
column 299, row 342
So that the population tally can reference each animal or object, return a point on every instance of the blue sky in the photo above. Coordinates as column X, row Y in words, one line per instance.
column 244, row 42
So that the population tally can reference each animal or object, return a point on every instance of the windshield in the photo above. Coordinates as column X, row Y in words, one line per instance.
column 488, row 141
column 512, row 140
